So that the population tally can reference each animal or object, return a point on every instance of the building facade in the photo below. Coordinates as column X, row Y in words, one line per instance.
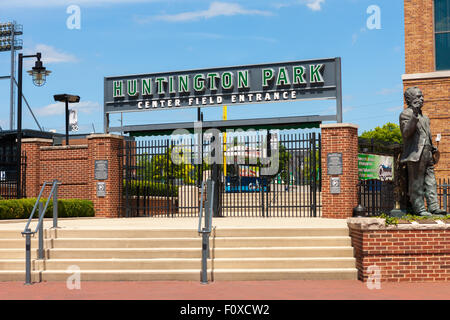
column 427, row 65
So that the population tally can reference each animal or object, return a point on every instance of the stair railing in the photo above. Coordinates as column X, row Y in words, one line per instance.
column 206, row 230
column 40, row 226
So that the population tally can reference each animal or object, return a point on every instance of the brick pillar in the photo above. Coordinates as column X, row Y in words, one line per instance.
column 340, row 138
column 33, row 170
column 106, row 147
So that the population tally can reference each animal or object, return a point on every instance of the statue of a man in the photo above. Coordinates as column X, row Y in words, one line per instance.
column 418, row 153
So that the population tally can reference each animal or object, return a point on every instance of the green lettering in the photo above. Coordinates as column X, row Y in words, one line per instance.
column 117, row 88
column 283, row 77
column 243, row 79
column 314, row 74
column 267, row 75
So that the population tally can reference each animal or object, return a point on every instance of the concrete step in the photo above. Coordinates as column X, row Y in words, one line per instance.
column 11, row 234
column 194, row 275
column 149, row 253
column 119, row 264
column 17, row 275
column 20, row 243
column 124, row 275
column 282, row 252
column 196, row 242
column 122, row 253
column 18, row 253
column 281, row 232
column 121, row 233
column 185, row 233
column 283, row 263
column 174, row 264
column 285, row 274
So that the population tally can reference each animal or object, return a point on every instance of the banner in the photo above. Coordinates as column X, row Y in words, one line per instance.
column 372, row 166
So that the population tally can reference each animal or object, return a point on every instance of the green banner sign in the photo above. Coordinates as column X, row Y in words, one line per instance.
column 372, row 166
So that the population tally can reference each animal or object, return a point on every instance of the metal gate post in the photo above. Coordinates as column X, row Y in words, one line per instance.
column 314, row 175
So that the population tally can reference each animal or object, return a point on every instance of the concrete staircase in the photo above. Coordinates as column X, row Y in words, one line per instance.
column 175, row 254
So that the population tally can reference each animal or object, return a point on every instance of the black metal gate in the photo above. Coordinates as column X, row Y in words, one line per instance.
column 266, row 175
column 9, row 172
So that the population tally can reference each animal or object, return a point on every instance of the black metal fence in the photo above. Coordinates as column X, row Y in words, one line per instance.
column 270, row 175
column 443, row 191
column 378, row 196
column 9, row 174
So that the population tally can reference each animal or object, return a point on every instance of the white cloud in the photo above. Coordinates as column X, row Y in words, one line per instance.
column 216, row 9
column 50, row 55
column 58, row 108
column 315, row 5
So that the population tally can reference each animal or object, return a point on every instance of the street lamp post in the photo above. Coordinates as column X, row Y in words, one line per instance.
column 66, row 98
column 39, row 75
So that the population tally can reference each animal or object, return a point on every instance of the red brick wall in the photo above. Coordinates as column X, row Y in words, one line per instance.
column 68, row 165
column 33, row 169
column 73, row 166
column 106, row 147
column 419, row 36
column 341, row 138
column 403, row 255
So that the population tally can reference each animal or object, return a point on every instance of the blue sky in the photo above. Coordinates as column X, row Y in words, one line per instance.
column 120, row 37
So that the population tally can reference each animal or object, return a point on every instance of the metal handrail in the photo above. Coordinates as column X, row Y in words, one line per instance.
column 40, row 226
column 206, row 230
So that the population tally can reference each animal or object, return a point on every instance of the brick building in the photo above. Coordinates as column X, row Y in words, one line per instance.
column 427, row 65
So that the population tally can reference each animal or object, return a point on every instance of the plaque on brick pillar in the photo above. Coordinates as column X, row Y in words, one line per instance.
column 334, row 163
column 101, row 170
column 335, row 185
column 101, row 189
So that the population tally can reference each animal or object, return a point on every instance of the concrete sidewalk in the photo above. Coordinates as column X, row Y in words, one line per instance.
column 226, row 290
column 178, row 223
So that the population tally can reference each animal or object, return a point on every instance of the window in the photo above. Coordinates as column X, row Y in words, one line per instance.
column 442, row 33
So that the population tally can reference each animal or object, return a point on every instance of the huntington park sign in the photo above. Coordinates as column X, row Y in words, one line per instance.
column 263, row 83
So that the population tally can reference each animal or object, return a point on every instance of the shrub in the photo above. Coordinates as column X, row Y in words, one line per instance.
column 21, row 208
column 150, row 188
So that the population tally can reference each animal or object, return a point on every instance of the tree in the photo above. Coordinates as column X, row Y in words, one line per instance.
column 389, row 133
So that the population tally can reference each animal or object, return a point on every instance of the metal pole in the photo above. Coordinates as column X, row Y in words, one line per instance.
column 13, row 56
column 55, row 205
column 19, row 125
column 41, row 232
column 67, row 122
column 28, row 256
column 205, row 239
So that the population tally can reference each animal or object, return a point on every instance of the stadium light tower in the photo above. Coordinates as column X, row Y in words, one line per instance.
column 9, row 42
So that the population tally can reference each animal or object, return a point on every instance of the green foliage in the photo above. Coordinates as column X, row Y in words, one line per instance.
column 409, row 217
column 21, row 208
column 389, row 133
column 150, row 188
column 388, row 219
column 161, row 167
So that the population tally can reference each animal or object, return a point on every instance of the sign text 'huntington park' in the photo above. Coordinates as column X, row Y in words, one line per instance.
column 274, row 82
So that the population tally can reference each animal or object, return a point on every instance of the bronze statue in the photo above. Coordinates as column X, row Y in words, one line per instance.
column 418, row 151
